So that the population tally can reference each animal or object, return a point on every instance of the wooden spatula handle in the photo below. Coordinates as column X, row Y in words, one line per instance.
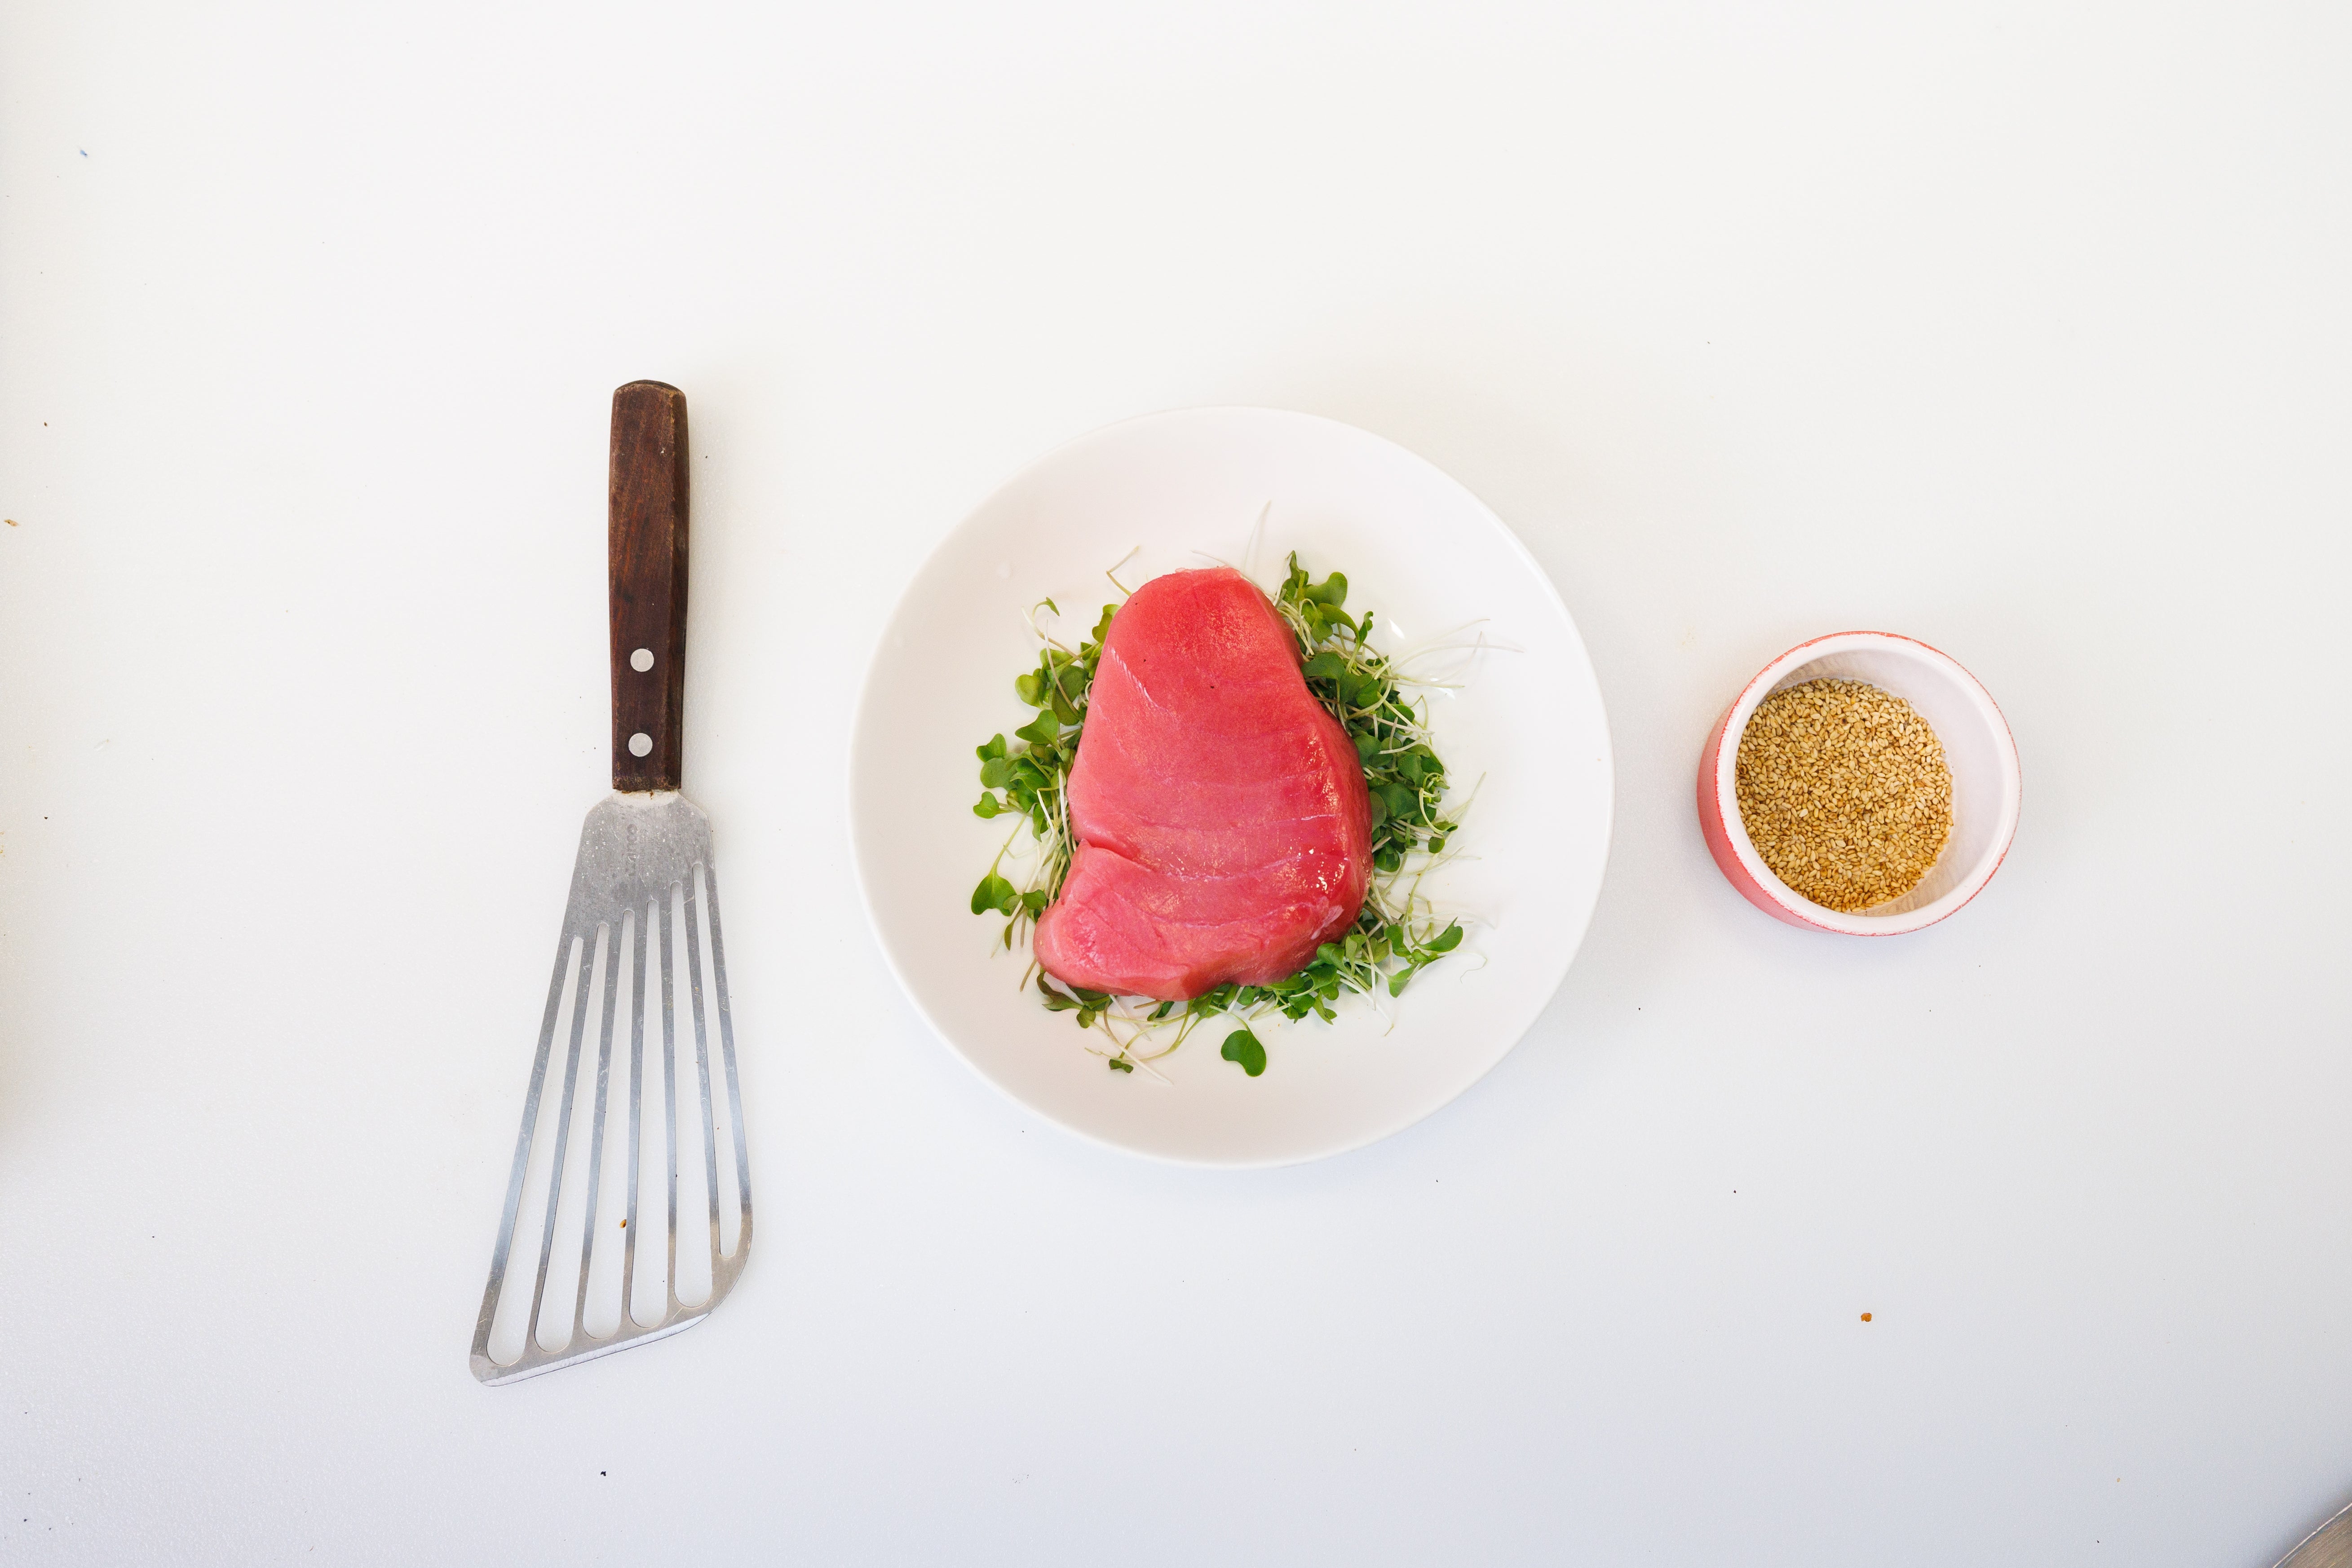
column 648, row 585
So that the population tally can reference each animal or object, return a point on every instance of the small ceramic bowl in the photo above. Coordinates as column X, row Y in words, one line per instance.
column 1977, row 745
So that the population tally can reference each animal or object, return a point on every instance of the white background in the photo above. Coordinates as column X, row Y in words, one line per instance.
column 2021, row 328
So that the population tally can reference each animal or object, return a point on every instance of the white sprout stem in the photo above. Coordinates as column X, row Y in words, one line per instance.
column 1124, row 591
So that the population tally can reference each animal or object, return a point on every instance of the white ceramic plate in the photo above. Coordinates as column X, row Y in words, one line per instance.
column 1184, row 489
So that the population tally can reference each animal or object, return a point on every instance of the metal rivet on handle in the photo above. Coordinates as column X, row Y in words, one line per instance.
column 640, row 743
column 641, row 662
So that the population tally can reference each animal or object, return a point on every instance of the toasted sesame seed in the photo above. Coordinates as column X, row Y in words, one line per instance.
column 1845, row 792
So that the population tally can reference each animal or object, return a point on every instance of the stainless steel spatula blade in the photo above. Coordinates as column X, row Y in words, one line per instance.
column 642, row 916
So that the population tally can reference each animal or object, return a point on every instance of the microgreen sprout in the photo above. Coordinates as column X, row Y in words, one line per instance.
column 1395, row 936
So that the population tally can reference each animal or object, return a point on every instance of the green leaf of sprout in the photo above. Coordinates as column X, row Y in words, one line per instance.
column 993, row 893
column 1242, row 1048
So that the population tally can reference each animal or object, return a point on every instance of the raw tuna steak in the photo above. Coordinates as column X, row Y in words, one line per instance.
column 1221, row 825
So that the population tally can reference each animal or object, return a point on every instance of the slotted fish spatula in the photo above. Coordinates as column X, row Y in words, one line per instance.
column 644, row 911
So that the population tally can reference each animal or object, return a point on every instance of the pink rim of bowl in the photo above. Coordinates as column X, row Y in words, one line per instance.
column 1985, row 785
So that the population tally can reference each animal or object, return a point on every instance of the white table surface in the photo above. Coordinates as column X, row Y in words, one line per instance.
column 2020, row 329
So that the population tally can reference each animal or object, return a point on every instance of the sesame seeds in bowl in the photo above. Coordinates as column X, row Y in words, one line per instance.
column 1863, row 784
column 1845, row 792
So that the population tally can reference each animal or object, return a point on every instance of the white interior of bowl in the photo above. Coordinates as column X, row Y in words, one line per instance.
column 1977, row 747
